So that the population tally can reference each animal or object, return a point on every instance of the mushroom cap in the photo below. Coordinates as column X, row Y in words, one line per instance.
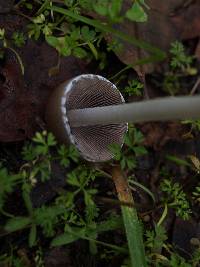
column 85, row 91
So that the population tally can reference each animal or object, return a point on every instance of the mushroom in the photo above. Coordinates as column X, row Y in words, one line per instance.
column 90, row 112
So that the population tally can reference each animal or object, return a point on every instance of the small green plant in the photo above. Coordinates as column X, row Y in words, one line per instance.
column 194, row 124
column 180, row 66
column 64, row 212
column 80, row 178
column 175, row 198
column 171, row 84
column 19, row 39
column 134, row 88
column 40, row 25
column 8, row 183
column 65, row 154
column 155, row 239
column 137, row 12
column 38, row 157
column 58, row 24
column 114, row 46
column 70, row 39
column 162, row 254
column 112, row 10
column 180, row 61
column 134, row 148
column 196, row 194
column 74, row 42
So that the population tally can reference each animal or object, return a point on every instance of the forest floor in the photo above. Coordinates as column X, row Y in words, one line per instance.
column 46, row 189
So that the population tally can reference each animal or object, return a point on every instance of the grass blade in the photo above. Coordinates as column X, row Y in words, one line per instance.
column 157, row 54
column 131, row 222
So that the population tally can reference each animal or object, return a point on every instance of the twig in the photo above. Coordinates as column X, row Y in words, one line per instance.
column 143, row 81
column 195, row 86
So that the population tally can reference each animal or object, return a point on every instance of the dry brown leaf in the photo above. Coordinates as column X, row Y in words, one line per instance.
column 23, row 98
column 167, row 21
column 157, row 134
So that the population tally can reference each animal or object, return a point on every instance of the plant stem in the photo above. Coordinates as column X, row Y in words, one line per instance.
column 130, row 218
column 164, row 214
column 169, row 108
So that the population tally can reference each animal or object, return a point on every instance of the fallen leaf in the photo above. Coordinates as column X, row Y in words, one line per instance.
column 157, row 134
column 167, row 21
column 23, row 98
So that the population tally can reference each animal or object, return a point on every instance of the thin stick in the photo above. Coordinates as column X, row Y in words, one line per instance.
column 195, row 86
column 169, row 108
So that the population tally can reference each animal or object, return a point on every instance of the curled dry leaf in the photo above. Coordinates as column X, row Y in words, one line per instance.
column 23, row 98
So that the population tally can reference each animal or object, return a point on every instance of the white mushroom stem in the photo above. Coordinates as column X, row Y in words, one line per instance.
column 161, row 109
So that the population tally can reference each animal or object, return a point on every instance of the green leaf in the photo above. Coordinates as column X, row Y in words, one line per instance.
column 68, row 237
column 73, row 153
column 112, row 223
column 178, row 161
column 134, row 88
column 87, row 198
column 75, row 233
column 138, row 136
column 26, row 197
column 93, row 49
column 60, row 44
column 155, row 239
column 72, row 179
column 134, row 237
column 139, row 150
column 75, row 34
column 79, row 52
column 116, row 151
column 47, row 217
column 7, row 183
column 114, row 10
column 87, row 34
column 67, row 153
column 39, row 138
column 17, row 223
column 101, row 7
column 123, row 163
column 136, row 13
column 51, row 141
column 32, row 236
column 19, row 39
